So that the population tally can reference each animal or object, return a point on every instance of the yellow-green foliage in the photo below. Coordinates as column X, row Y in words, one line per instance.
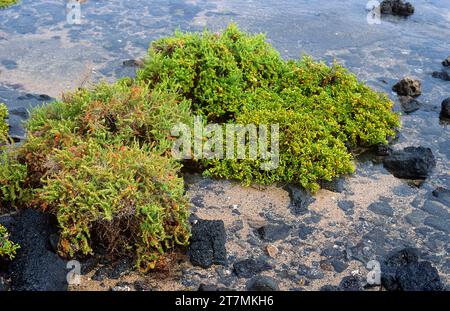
column 7, row 248
column 99, row 161
column 238, row 78
column 6, row 3
column 12, row 178
column 3, row 125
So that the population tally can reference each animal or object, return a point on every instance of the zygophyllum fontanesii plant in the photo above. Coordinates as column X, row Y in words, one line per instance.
column 239, row 78
column 98, row 161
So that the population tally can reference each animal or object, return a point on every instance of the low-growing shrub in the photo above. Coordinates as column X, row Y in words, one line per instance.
column 6, row 3
column 12, row 178
column 98, row 161
column 8, row 248
column 238, row 78
column 3, row 125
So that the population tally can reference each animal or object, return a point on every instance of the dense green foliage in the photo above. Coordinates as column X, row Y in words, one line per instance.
column 98, row 161
column 6, row 3
column 8, row 248
column 3, row 125
column 239, row 78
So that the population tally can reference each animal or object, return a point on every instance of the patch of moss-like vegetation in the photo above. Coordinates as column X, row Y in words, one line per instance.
column 238, row 78
column 8, row 248
column 6, row 3
column 98, row 161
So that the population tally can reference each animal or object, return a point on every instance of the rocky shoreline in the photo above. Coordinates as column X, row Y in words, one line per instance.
column 388, row 213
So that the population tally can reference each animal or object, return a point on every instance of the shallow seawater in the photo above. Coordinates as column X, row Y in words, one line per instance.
column 41, row 53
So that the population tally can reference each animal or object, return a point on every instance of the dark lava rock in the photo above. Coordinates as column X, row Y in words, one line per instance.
column 410, row 163
column 36, row 267
column 142, row 286
column 53, row 239
column 403, row 271
column 300, row 200
column 351, row 284
column 383, row 150
column 120, row 268
column 208, row 243
column 408, row 87
column 338, row 265
column 409, row 104
column 381, row 208
column 346, row 206
column 443, row 75
column 133, row 63
column 101, row 274
column 7, row 221
column 310, row 273
column 396, row 7
column 88, row 264
column 262, row 284
column 332, row 252
column 446, row 62
column 419, row 276
column 304, row 231
column 445, row 108
column 248, row 268
column 335, row 185
column 274, row 232
column 442, row 195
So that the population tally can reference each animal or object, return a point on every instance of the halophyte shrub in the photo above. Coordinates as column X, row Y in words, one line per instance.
column 234, row 77
column 98, row 160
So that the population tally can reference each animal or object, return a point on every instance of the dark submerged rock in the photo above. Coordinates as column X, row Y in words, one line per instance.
column 408, row 87
column 208, row 243
column 445, row 108
column 396, row 7
column 133, row 63
column 410, row 163
column 443, row 75
column 446, row 62
column 438, row 223
column 442, row 195
column 409, row 104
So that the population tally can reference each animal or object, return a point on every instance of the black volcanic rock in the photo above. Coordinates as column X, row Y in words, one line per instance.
column 410, row 163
